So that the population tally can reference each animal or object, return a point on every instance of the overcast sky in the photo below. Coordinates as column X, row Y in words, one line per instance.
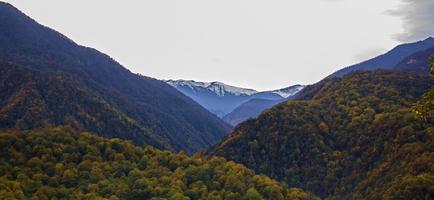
column 259, row 44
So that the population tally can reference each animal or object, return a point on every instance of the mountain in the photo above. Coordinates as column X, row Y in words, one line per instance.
column 256, row 106
column 146, row 105
column 222, row 99
column 218, row 88
column 216, row 97
column 389, row 59
column 61, row 163
column 354, row 137
column 289, row 91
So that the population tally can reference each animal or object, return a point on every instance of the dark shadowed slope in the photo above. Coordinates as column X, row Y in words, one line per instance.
column 151, row 104
column 389, row 59
column 354, row 137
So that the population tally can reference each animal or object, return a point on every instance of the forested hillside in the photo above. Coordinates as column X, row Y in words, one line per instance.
column 150, row 105
column 60, row 163
column 355, row 137
column 31, row 99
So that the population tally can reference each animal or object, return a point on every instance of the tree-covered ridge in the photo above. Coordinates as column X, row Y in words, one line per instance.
column 354, row 137
column 62, row 163
column 31, row 99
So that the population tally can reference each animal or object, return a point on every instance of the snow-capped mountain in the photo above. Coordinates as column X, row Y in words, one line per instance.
column 289, row 91
column 221, row 99
column 218, row 88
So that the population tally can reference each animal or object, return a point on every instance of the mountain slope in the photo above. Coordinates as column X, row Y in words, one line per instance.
column 249, row 110
column 350, row 138
column 60, row 163
column 254, row 107
column 389, row 59
column 152, row 104
column 31, row 99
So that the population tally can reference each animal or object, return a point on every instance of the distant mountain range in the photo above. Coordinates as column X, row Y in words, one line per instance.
column 222, row 99
column 47, row 79
column 388, row 60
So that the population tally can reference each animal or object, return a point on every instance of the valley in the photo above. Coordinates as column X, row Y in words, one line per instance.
column 77, row 124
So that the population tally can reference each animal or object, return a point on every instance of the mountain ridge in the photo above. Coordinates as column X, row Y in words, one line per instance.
column 221, row 89
column 389, row 59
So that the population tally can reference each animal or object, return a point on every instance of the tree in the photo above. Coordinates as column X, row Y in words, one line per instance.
column 252, row 194
column 424, row 108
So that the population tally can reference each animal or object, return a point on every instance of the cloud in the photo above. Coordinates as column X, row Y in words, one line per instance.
column 418, row 19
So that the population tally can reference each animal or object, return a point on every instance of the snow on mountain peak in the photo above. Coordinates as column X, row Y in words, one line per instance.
column 219, row 88
column 188, row 83
column 222, row 89
column 289, row 91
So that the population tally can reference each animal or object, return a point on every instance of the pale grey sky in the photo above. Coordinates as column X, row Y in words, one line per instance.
column 259, row 44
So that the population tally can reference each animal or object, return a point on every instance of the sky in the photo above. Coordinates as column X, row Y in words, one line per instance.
column 259, row 44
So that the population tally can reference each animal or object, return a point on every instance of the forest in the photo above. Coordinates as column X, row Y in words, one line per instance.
column 355, row 137
column 62, row 163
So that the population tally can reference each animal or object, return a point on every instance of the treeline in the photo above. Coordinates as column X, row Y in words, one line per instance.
column 355, row 137
column 60, row 163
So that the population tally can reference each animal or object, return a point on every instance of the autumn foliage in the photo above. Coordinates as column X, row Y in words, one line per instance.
column 354, row 137
column 56, row 163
